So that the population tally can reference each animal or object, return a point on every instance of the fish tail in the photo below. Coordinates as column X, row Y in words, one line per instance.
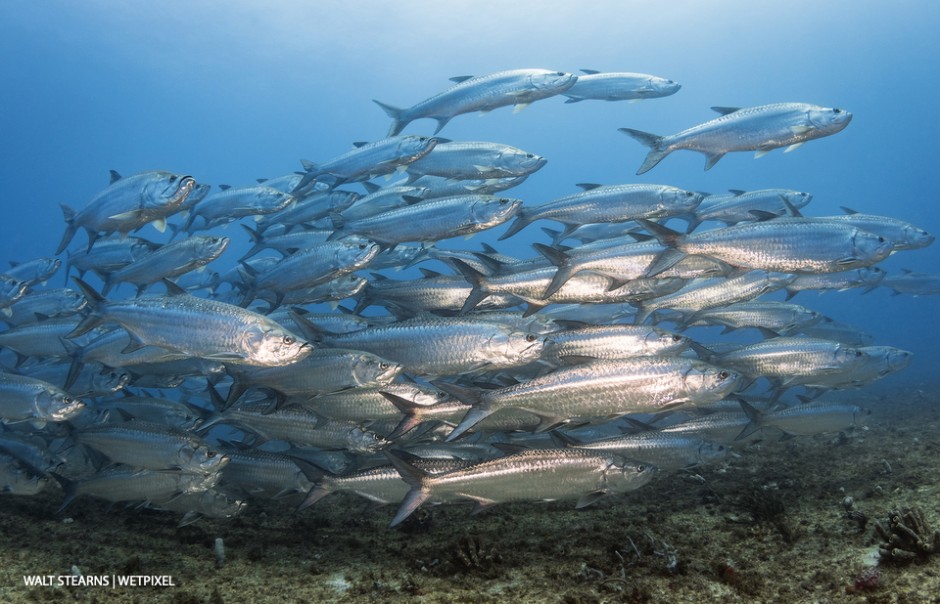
column 94, row 319
column 654, row 142
column 69, row 215
column 561, row 261
column 398, row 120
column 521, row 222
column 415, row 478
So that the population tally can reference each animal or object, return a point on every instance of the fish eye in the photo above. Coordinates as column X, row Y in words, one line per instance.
column 288, row 340
column 362, row 246
column 676, row 338
column 837, row 111
column 858, row 353
column 503, row 200
column 723, row 375
column 211, row 454
column 881, row 239
column 529, row 337
column 441, row 394
column 383, row 365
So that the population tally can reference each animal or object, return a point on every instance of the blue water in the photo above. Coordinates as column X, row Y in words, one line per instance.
column 232, row 91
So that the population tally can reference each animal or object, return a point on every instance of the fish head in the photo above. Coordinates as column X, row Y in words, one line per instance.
column 413, row 147
column 868, row 248
column 673, row 200
column 827, row 120
column 657, row 87
column 11, row 290
column 913, row 238
column 622, row 475
column 109, row 380
column 516, row 162
column 271, row 345
column 212, row 247
column 660, row 341
column 888, row 358
column 355, row 251
column 551, row 82
column 493, row 211
column 797, row 199
column 372, row 370
column 166, row 192
column 515, row 346
column 198, row 456
column 64, row 406
column 346, row 286
column 709, row 452
column 364, row 441
column 197, row 194
column 706, row 383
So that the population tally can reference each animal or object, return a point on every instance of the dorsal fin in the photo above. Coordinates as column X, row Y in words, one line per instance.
column 590, row 71
column 172, row 288
column 358, row 144
column 587, row 186
column 848, row 211
column 114, row 177
column 459, row 79
column 224, row 187
column 725, row 110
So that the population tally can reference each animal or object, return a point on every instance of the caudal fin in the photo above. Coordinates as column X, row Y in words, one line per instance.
column 398, row 121
column 654, row 142
column 69, row 215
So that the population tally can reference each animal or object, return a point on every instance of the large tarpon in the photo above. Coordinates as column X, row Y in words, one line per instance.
column 518, row 87
column 533, row 475
column 197, row 327
column 601, row 389
column 788, row 245
column 619, row 86
column 759, row 129
column 610, row 203
column 368, row 160
column 128, row 204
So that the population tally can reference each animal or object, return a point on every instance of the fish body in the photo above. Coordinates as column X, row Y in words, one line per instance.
column 779, row 317
column 602, row 388
column 45, row 304
column 467, row 160
column 759, row 129
column 197, row 327
column 613, row 342
column 665, row 450
column 793, row 360
column 368, row 160
column 533, row 475
column 428, row 345
column 787, row 245
column 742, row 206
column 903, row 235
column 34, row 272
column 169, row 261
column 518, row 87
column 610, row 203
column 314, row 266
column 237, row 202
column 127, row 205
column 619, row 86
column 433, row 220
column 152, row 446
column 24, row 398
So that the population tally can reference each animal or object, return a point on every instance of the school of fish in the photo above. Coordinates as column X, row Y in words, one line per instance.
column 157, row 377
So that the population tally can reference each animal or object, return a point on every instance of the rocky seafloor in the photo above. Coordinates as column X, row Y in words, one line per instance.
column 770, row 524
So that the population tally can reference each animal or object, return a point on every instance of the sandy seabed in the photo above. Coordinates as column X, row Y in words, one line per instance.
column 770, row 524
